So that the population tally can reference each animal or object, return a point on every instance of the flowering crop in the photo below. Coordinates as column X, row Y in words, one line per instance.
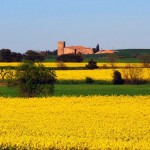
column 102, row 74
column 99, row 74
column 83, row 64
column 93, row 122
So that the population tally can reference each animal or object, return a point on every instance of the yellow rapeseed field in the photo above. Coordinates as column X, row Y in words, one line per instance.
column 82, row 64
column 99, row 74
column 93, row 122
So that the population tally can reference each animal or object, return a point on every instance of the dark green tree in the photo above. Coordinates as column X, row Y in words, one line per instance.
column 96, row 49
column 16, row 57
column 92, row 64
column 117, row 78
column 5, row 55
column 33, row 56
column 33, row 80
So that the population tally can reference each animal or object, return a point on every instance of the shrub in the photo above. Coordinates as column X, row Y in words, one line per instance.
column 70, row 58
column 112, row 58
column 117, row 78
column 132, row 74
column 89, row 80
column 33, row 80
column 92, row 64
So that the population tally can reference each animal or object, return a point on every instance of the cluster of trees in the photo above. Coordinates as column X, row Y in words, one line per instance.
column 6, row 55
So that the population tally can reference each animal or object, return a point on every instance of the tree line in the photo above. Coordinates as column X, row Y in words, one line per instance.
column 6, row 55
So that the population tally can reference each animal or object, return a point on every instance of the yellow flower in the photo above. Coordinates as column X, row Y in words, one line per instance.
column 94, row 122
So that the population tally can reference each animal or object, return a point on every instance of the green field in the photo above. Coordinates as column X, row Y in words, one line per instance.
column 96, row 89
column 124, row 56
column 88, row 89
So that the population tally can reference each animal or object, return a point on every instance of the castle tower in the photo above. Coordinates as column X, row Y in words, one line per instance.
column 61, row 46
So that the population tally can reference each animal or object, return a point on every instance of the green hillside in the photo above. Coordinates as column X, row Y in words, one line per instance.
column 123, row 55
column 130, row 52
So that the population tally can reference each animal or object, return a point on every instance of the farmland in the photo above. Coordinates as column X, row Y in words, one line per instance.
column 80, row 115
column 70, row 64
column 104, row 74
column 124, row 56
column 93, row 122
column 74, row 75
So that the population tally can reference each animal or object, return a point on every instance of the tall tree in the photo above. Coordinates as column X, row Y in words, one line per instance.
column 33, row 56
column 5, row 55
column 96, row 49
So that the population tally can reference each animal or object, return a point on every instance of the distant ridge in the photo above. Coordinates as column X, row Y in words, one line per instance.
column 131, row 49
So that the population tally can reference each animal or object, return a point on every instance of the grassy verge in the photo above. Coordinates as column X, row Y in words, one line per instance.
column 88, row 89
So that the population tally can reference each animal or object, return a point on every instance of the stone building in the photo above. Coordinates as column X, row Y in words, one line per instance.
column 62, row 49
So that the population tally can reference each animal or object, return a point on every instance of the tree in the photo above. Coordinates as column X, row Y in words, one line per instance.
column 92, row 64
column 33, row 56
column 133, row 74
column 117, row 78
column 5, row 55
column 16, row 57
column 33, row 80
column 96, row 49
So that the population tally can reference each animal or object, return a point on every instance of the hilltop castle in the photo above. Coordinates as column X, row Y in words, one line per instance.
column 62, row 49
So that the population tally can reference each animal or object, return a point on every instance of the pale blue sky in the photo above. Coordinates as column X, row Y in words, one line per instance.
column 39, row 24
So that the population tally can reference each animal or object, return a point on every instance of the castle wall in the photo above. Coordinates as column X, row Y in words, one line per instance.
column 85, row 51
column 78, row 51
column 69, row 51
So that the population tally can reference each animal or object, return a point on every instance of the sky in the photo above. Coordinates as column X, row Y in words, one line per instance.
column 40, row 24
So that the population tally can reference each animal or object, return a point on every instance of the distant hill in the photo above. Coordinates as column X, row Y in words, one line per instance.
column 124, row 55
column 131, row 50
column 137, row 51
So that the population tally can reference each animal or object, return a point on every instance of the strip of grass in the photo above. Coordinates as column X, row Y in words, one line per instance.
column 88, row 89
column 8, row 92
column 95, row 89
